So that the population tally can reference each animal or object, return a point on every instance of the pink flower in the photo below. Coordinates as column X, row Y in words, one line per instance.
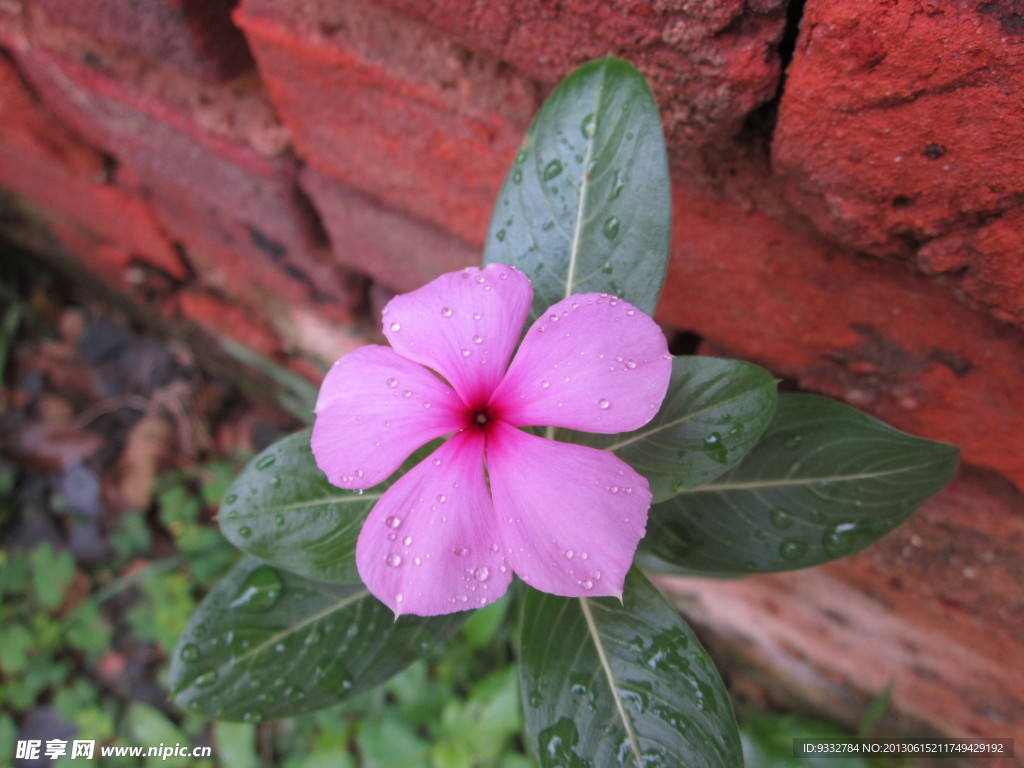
column 493, row 499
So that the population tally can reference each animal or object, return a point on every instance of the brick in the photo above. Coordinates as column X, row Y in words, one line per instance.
column 196, row 36
column 899, row 134
column 709, row 64
column 223, row 319
column 213, row 168
column 30, row 131
column 866, row 331
column 394, row 249
column 933, row 609
column 48, row 164
column 162, row 142
column 388, row 106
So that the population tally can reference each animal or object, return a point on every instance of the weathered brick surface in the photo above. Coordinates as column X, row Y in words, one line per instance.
column 900, row 132
column 388, row 106
column 934, row 609
column 45, row 162
column 709, row 63
column 196, row 36
column 866, row 331
column 395, row 250
column 223, row 318
column 220, row 182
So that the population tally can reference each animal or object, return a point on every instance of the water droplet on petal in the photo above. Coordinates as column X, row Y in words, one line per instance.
column 399, row 597
column 603, row 404
column 393, row 522
column 396, row 326
column 482, row 573
column 545, row 384
column 393, row 560
column 446, row 312
column 588, row 584
column 569, row 554
column 407, row 540
column 466, row 353
column 478, row 340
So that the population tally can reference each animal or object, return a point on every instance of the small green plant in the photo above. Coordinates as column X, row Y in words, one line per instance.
column 587, row 455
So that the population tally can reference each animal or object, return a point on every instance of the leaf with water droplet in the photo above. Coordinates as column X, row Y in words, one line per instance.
column 578, row 144
column 326, row 642
column 823, row 482
column 609, row 683
column 294, row 518
column 706, row 397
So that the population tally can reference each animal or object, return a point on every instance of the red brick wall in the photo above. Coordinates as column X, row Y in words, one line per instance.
column 848, row 187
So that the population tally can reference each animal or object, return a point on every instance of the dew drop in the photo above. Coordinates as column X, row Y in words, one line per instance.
column 245, row 531
column 631, row 364
column 392, row 382
column 446, row 312
column 480, row 278
column 517, row 176
column 569, row 554
column 460, row 551
column 478, row 340
column 436, row 462
column 588, row 584
column 792, row 550
column 611, row 227
column 393, row 522
column 393, row 560
column 500, row 235
column 482, row 573
column 442, row 498
column 466, row 353
column 396, row 326
column 407, row 540
column 399, row 597
column 190, row 652
column 265, row 462
column 603, row 404
column 588, row 126
column 552, row 169
column 545, row 384
column 630, row 312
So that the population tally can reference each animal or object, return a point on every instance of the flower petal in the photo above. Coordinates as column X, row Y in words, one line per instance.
column 570, row 517
column 591, row 362
column 430, row 545
column 374, row 409
column 464, row 325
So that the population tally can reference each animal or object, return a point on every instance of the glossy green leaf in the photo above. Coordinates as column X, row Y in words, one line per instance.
column 266, row 643
column 825, row 481
column 714, row 412
column 282, row 509
column 587, row 203
column 621, row 684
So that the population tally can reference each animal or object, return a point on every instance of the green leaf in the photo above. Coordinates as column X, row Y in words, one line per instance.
column 714, row 412
column 282, row 509
column 236, row 745
column 587, row 203
column 266, row 643
column 150, row 727
column 628, row 684
column 825, row 481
